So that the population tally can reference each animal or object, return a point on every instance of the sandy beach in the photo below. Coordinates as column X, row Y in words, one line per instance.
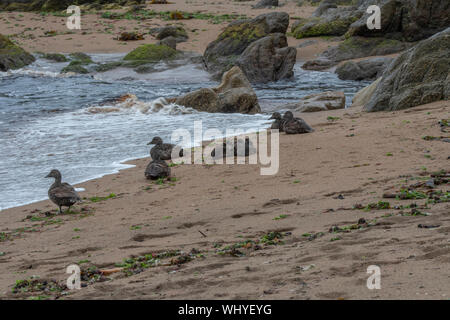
column 364, row 189
column 349, row 162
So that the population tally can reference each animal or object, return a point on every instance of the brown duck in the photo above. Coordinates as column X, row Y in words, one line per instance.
column 61, row 194
column 278, row 123
column 162, row 151
column 157, row 169
column 293, row 125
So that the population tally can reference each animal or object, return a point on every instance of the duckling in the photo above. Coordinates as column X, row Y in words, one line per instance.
column 157, row 169
column 61, row 194
column 278, row 123
column 162, row 151
column 295, row 125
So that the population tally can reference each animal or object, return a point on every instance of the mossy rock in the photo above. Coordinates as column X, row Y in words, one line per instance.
column 75, row 66
column 150, row 53
column 316, row 27
column 108, row 66
column 13, row 56
column 81, row 57
column 57, row 57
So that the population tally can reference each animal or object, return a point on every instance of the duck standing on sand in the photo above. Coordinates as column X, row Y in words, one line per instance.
column 162, row 151
column 61, row 194
column 157, row 169
column 293, row 125
column 278, row 123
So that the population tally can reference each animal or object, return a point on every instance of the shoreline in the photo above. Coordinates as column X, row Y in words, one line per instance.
column 322, row 176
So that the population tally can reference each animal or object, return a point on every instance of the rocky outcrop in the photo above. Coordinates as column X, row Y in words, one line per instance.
column 13, row 56
column 363, row 96
column 268, row 59
column 409, row 20
column 221, row 54
column 418, row 76
column 266, row 4
column 328, row 100
column 364, row 69
column 234, row 95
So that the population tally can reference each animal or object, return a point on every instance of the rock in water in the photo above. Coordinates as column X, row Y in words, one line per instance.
column 268, row 59
column 157, row 169
column 12, row 56
column 221, row 54
column 61, row 194
column 418, row 76
column 234, row 95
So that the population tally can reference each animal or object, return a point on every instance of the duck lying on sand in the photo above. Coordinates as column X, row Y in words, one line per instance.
column 162, row 151
column 157, row 169
column 61, row 194
column 289, row 124
column 293, row 125
column 238, row 149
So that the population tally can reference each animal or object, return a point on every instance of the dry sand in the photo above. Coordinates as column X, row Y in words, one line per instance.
column 360, row 156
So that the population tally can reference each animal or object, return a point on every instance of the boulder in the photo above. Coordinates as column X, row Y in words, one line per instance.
column 327, row 20
column 268, row 59
column 418, row 76
column 13, row 56
column 170, row 41
column 364, row 69
column 319, row 64
column 234, row 95
column 328, row 100
column 266, row 4
column 150, row 53
column 359, row 47
column 177, row 32
column 363, row 96
column 222, row 53
column 409, row 20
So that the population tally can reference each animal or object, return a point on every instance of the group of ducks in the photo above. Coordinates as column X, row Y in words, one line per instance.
column 289, row 124
column 64, row 195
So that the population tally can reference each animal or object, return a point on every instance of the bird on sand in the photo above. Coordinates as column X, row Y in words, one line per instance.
column 278, row 123
column 294, row 125
column 162, row 151
column 157, row 169
column 61, row 194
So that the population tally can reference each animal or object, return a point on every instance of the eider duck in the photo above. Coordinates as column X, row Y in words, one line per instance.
column 162, row 151
column 157, row 169
column 278, row 123
column 293, row 125
column 61, row 194
column 237, row 149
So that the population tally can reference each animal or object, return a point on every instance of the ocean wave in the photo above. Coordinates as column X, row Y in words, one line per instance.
column 130, row 102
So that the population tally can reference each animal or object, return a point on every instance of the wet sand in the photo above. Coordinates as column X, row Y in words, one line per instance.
column 350, row 161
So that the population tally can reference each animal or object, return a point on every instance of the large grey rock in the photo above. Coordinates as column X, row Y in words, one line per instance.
column 234, row 95
column 364, row 69
column 409, row 20
column 268, row 59
column 222, row 53
column 177, row 32
column 12, row 56
column 363, row 96
column 418, row 76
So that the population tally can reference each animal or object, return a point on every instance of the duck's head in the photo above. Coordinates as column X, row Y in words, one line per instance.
column 288, row 115
column 275, row 116
column 156, row 140
column 54, row 174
